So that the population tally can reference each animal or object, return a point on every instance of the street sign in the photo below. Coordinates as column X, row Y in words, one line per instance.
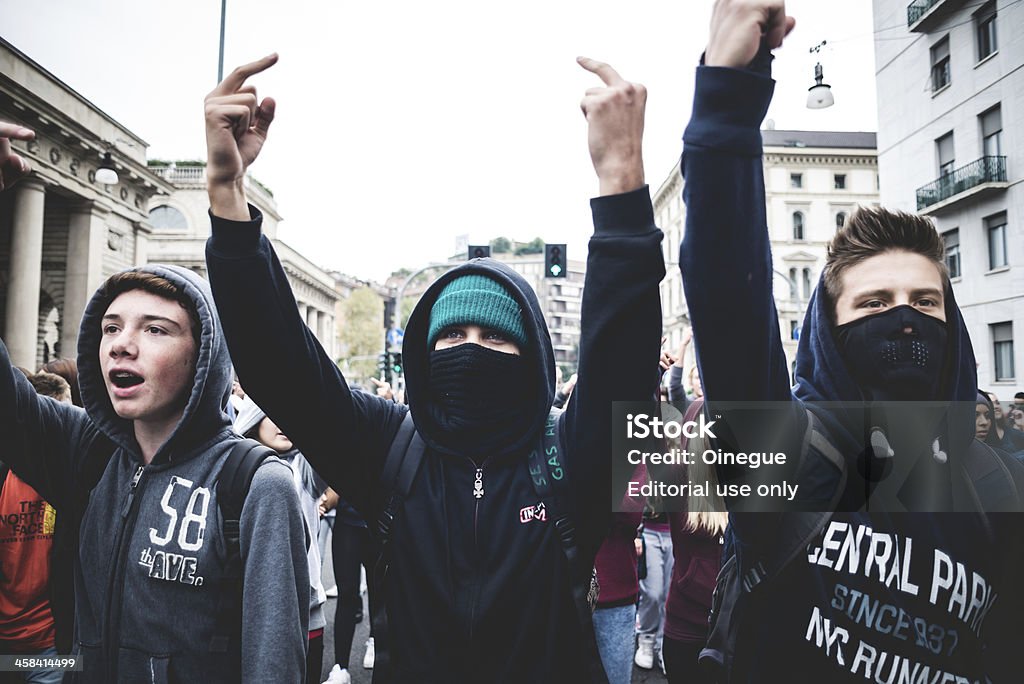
column 395, row 337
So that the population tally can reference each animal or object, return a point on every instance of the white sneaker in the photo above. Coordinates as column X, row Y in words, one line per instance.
column 370, row 656
column 338, row 675
column 332, row 592
column 645, row 651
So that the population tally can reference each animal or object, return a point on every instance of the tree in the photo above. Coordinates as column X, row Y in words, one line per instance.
column 362, row 332
column 534, row 246
column 501, row 245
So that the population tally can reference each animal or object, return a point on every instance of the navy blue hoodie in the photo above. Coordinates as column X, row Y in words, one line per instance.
column 475, row 592
column 887, row 598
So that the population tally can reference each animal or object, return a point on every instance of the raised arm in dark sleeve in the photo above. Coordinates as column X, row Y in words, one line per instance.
column 344, row 435
column 621, row 335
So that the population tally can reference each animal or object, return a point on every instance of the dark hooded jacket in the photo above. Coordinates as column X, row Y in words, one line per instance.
column 473, row 593
column 151, row 554
column 888, row 597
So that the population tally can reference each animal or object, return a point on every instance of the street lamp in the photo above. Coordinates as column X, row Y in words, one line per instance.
column 819, row 95
column 105, row 173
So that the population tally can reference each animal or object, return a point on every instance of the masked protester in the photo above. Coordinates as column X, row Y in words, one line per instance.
column 479, row 587
column 884, row 336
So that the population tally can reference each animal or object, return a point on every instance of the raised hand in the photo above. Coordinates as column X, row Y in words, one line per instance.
column 615, row 114
column 383, row 389
column 236, row 128
column 738, row 27
column 12, row 165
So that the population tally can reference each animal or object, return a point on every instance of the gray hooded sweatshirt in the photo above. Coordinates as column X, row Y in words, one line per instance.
column 151, row 561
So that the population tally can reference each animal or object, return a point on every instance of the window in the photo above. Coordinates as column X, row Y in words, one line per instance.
column 798, row 225
column 995, row 227
column 807, row 283
column 793, row 294
column 840, row 219
column 167, row 218
column 840, row 181
column 1002, row 350
column 952, row 240
column 947, row 158
column 796, row 180
column 985, row 30
column 940, row 64
column 992, row 132
column 794, row 327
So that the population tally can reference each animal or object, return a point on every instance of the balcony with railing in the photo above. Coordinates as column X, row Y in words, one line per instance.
column 982, row 176
column 924, row 15
column 192, row 175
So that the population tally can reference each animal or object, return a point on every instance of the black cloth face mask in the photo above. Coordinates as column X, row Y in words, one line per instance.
column 889, row 364
column 482, row 398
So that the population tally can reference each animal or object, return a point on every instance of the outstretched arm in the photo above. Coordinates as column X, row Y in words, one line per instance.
column 725, row 256
column 621, row 312
column 344, row 435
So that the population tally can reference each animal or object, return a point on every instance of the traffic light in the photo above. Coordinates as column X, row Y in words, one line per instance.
column 396, row 363
column 554, row 261
column 384, row 367
column 479, row 251
column 389, row 313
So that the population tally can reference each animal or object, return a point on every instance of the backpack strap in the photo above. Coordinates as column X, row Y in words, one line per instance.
column 548, row 474
column 233, row 482
column 405, row 456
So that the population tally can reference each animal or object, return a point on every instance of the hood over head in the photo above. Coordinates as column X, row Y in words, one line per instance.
column 205, row 412
column 536, row 353
column 822, row 375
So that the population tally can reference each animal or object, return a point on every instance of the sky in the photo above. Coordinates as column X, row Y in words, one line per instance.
column 401, row 125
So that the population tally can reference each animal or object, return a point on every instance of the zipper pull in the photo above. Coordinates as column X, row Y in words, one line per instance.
column 478, row 484
column 131, row 492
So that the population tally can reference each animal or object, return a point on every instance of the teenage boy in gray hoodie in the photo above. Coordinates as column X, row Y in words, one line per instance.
column 155, row 378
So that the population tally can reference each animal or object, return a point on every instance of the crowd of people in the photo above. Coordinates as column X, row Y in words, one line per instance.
column 166, row 500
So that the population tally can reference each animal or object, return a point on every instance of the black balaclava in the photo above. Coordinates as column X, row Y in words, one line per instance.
column 889, row 364
column 483, row 398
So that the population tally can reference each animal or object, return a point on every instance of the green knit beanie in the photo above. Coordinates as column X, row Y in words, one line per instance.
column 476, row 300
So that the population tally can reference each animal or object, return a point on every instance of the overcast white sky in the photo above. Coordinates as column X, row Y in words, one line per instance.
column 403, row 124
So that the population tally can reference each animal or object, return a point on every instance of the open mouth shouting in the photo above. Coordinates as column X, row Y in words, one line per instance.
column 124, row 383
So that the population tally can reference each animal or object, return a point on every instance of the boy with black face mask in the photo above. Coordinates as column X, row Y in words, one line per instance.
column 478, row 588
column 882, row 583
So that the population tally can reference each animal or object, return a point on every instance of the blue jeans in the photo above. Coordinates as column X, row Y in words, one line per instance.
column 613, row 628
column 654, row 587
column 44, row 676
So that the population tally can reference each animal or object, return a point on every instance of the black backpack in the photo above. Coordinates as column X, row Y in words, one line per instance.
column 547, row 471
column 740, row 582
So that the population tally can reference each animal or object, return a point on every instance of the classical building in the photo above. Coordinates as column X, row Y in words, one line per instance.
column 63, row 231
column 950, row 82
column 813, row 181
column 180, row 226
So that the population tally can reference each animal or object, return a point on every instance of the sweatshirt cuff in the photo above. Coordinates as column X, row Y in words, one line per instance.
column 728, row 108
column 628, row 213
column 236, row 238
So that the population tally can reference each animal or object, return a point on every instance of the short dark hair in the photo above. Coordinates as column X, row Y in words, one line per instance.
column 50, row 385
column 67, row 369
column 125, row 281
column 1019, row 395
column 873, row 230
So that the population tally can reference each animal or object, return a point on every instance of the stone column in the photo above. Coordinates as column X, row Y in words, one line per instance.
column 302, row 312
column 321, row 331
column 87, row 234
column 21, row 328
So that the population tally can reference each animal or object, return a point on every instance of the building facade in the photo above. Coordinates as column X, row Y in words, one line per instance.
column 180, row 224
column 950, row 89
column 63, row 232
column 813, row 181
